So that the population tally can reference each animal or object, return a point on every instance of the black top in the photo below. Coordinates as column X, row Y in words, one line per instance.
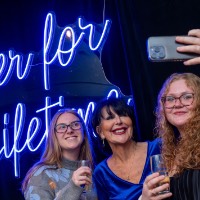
column 186, row 186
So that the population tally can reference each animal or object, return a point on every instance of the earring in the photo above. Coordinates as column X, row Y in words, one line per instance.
column 103, row 145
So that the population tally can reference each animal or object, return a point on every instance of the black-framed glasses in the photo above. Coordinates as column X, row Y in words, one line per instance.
column 62, row 128
column 185, row 99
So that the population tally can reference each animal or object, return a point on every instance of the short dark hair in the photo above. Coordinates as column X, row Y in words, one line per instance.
column 120, row 106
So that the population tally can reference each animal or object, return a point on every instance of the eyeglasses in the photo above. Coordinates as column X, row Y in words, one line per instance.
column 185, row 99
column 62, row 128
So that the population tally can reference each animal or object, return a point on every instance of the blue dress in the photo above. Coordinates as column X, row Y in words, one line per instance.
column 110, row 186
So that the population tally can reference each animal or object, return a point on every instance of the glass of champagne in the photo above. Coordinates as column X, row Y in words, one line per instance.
column 158, row 165
column 89, row 192
column 86, row 163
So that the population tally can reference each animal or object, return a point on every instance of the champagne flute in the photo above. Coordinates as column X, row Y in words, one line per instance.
column 157, row 165
column 86, row 163
column 89, row 192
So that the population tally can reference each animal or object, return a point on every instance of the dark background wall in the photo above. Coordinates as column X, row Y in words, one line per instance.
column 124, row 56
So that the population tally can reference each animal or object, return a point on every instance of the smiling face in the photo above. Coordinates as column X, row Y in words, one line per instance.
column 114, row 128
column 179, row 114
column 70, row 140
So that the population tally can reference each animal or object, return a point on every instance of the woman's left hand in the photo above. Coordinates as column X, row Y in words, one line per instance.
column 150, row 190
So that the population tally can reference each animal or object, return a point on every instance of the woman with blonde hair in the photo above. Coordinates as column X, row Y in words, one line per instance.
column 56, row 175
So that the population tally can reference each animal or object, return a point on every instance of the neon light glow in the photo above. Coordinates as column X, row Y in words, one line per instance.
column 92, row 33
column 15, row 60
column 33, row 129
column 70, row 53
column 65, row 57
column 113, row 91
column 3, row 63
column 30, row 133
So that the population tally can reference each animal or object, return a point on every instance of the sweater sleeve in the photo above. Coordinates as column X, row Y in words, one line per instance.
column 69, row 192
column 41, row 186
column 38, row 188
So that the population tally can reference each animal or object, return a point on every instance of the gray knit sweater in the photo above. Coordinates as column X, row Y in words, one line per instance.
column 51, row 183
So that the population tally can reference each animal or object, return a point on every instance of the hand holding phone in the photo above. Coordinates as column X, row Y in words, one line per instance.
column 163, row 48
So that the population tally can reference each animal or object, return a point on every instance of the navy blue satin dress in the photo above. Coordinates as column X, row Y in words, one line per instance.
column 110, row 186
column 186, row 186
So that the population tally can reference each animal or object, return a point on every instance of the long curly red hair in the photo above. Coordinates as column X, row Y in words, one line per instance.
column 180, row 152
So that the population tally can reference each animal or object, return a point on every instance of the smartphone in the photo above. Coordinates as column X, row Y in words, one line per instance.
column 163, row 48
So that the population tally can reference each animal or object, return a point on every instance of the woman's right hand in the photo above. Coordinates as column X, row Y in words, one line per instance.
column 192, row 42
column 150, row 189
column 82, row 176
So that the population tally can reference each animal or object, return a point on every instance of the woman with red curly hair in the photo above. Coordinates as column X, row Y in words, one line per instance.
column 178, row 125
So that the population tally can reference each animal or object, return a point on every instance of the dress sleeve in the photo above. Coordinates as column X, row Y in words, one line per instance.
column 100, row 188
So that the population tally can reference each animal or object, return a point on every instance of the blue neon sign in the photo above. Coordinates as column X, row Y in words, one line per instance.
column 64, row 56
column 6, row 69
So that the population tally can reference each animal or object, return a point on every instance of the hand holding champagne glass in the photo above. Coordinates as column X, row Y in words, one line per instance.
column 158, row 165
column 89, row 192
column 85, row 163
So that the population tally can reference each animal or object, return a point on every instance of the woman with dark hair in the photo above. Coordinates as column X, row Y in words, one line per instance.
column 57, row 176
column 121, row 175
